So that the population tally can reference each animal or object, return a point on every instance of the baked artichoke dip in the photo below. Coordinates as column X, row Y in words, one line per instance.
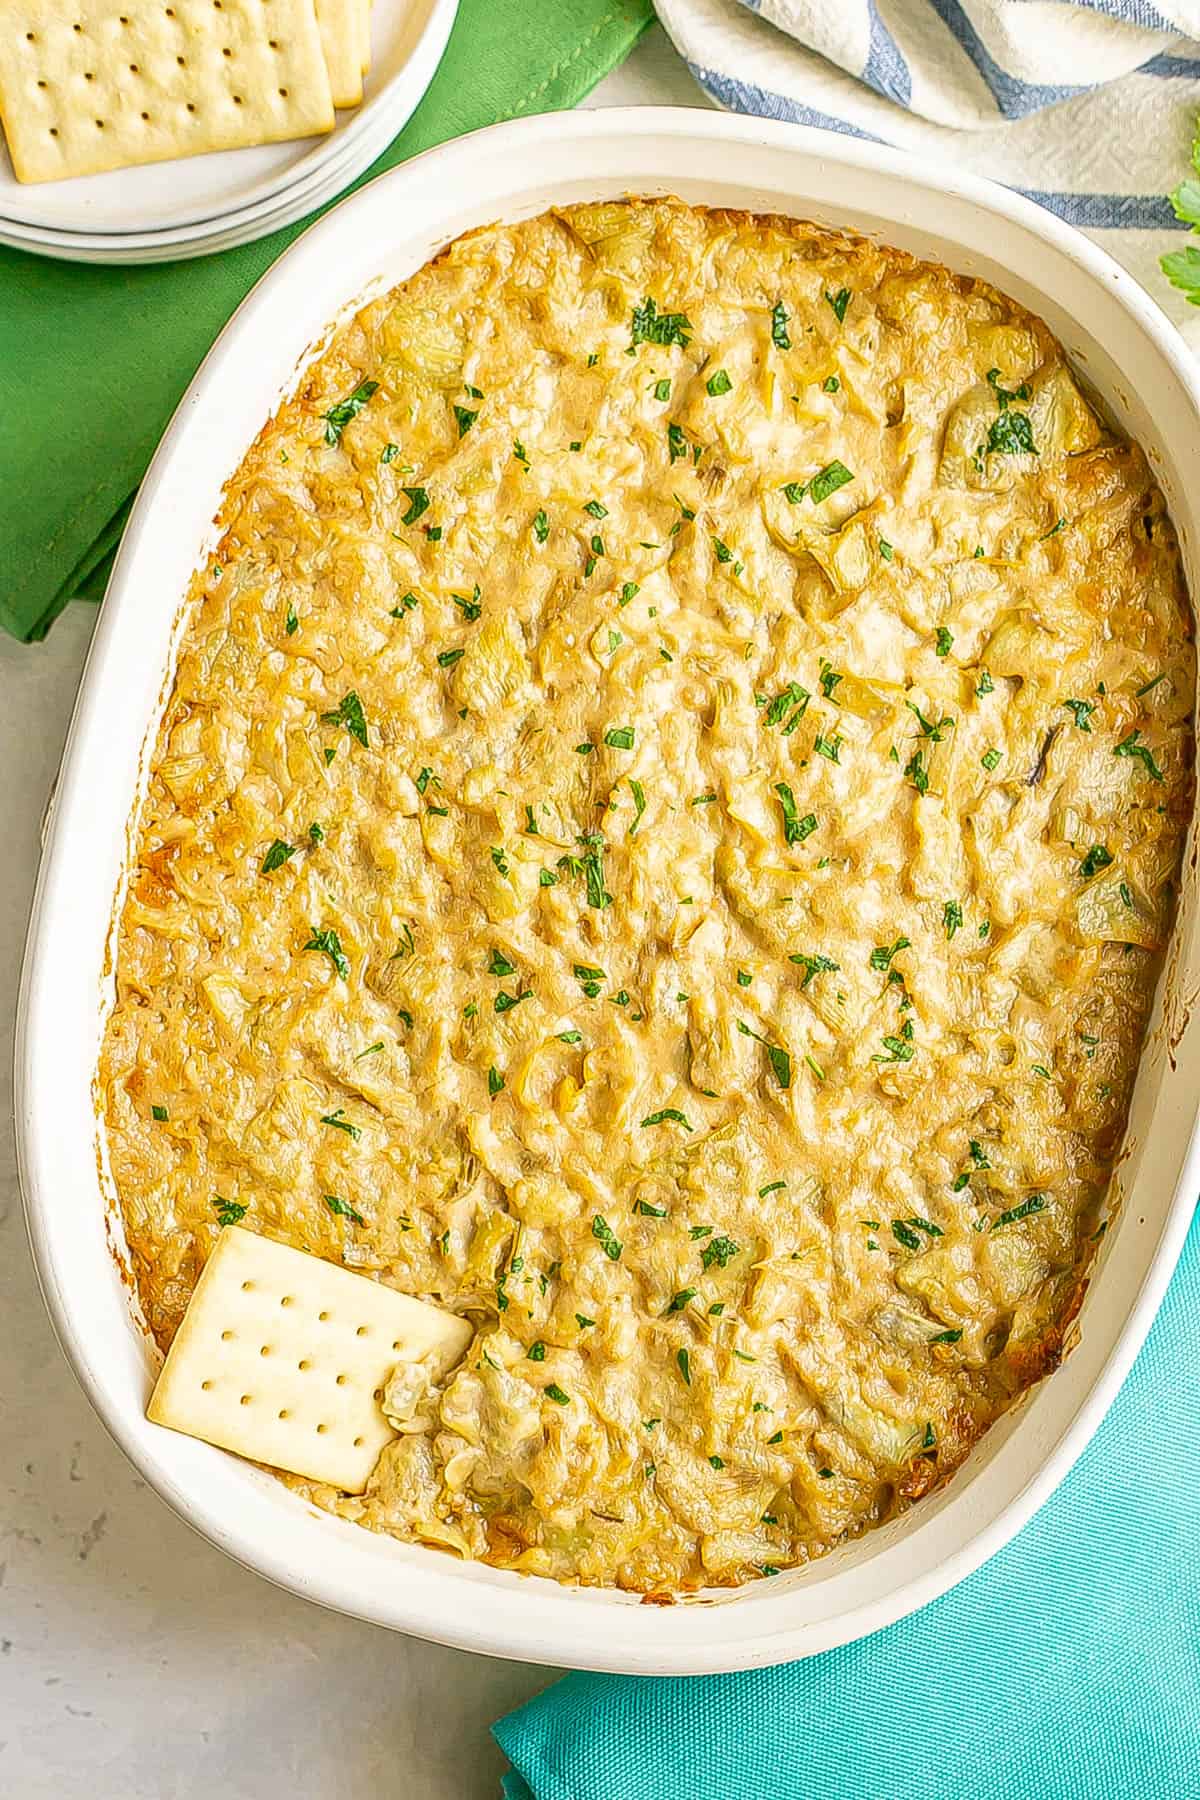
column 660, row 841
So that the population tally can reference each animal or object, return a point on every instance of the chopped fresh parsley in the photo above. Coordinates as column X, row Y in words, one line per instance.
column 944, row 641
column 1098, row 857
column 448, row 658
column 505, row 1002
column 795, row 828
column 389, row 453
column 827, row 481
column 881, row 957
column 329, row 944
column 777, row 1056
column 1011, row 435
column 1081, row 711
column 349, row 712
column 649, row 326
column 418, row 503
column 518, row 451
column 662, row 390
column 793, row 700
column 1036, row 1203
column 1130, row 746
column 607, row 1238
column 291, row 624
column 339, row 416
column 465, row 420
column 839, row 302
column 812, row 965
column 719, row 383
column 160, row 1113
column 276, row 856
column 229, row 1212
column 555, row 1393
column 668, row 1115
column 990, row 759
column 541, row 527
column 985, row 684
column 619, row 737
column 952, row 918
column 340, row 1122
column 343, row 1209
column 681, row 1301
column 498, row 964
column 779, row 326
column 719, row 1250
column 639, row 805
column 495, row 1081
column 684, row 1362
column 470, row 608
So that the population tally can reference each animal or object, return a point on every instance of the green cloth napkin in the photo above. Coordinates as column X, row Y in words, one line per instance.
column 93, row 360
column 1066, row 1669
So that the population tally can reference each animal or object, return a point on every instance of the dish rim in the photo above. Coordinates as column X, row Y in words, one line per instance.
column 552, row 1631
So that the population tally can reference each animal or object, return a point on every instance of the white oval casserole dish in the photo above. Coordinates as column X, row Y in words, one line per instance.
column 1131, row 357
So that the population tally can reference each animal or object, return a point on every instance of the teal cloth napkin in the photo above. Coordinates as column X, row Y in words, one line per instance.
column 1066, row 1669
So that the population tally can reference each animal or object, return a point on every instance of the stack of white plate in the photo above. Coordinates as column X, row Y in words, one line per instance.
column 166, row 211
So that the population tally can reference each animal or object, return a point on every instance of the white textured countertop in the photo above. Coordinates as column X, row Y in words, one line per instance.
column 136, row 1662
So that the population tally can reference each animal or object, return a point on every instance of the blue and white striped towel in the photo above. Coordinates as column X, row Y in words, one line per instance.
column 1088, row 106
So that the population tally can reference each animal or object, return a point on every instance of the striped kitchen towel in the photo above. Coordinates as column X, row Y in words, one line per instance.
column 1088, row 106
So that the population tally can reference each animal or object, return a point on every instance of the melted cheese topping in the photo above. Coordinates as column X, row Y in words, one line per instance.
column 670, row 800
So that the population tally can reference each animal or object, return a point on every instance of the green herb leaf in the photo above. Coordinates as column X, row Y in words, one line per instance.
column 448, row 658
column 951, row 918
column 649, row 326
column 276, row 856
column 607, row 1238
column 1036, row 1203
column 718, row 383
column 795, row 828
column 498, row 964
column 343, row 1209
column 465, row 420
column 619, row 737
column 681, row 1300
column 812, row 965
column 944, row 641
column 555, row 1393
column 779, row 326
column 505, row 1002
column 669, row 1114
column 684, row 1362
column 160, row 1113
column 639, row 805
column 719, row 1250
column 418, row 504
column 349, row 713
column 229, row 1212
column 662, row 390
column 495, row 1081
column 470, row 608
column 339, row 416
column 1097, row 858
column 990, row 759
column 329, row 944
column 1011, row 435
column 389, row 453
column 340, row 1122
column 839, row 302
column 827, row 481
column 1130, row 746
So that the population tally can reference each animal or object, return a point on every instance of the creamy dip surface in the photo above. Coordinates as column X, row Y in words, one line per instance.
column 660, row 839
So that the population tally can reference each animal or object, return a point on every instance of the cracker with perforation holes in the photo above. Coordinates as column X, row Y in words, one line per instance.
column 342, row 42
column 89, row 85
column 283, row 1358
